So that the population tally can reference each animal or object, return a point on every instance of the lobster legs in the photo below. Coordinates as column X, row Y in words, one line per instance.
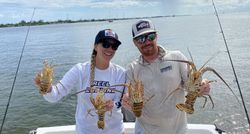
column 193, row 94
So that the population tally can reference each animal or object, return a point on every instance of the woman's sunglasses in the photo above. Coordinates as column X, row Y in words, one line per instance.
column 142, row 39
column 106, row 44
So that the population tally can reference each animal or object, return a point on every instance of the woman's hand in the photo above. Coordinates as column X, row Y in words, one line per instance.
column 109, row 105
column 43, row 87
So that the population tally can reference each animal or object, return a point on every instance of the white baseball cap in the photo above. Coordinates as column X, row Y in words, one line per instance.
column 141, row 27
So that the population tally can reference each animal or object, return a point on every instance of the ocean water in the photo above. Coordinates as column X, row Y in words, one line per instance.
column 67, row 44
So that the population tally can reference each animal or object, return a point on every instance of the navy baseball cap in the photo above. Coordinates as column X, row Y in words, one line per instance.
column 107, row 34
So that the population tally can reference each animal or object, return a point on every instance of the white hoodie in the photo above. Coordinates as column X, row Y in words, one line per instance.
column 78, row 77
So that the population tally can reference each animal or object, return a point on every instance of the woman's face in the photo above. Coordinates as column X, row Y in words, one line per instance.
column 106, row 50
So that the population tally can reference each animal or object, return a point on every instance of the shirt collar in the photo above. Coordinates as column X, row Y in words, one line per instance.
column 161, row 53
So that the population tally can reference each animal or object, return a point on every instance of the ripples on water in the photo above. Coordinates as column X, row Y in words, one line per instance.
column 68, row 44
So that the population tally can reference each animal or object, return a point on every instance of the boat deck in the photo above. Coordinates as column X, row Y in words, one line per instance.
column 70, row 129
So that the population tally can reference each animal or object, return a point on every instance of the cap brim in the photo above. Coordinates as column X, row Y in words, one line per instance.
column 144, row 32
column 117, row 41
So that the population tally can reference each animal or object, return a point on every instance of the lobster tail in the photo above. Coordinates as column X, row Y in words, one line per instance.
column 100, row 122
column 188, row 107
column 137, row 108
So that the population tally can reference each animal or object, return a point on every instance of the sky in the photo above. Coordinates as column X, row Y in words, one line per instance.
column 14, row 11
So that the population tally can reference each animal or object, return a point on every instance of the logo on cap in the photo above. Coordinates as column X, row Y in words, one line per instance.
column 142, row 25
column 109, row 33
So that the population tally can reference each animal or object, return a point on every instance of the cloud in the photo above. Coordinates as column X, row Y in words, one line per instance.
column 9, row 4
column 61, row 4
column 16, row 10
column 234, row 3
column 74, row 3
column 114, row 4
column 80, row 3
column 200, row 6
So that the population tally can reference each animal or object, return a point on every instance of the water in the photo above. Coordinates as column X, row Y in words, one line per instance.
column 68, row 44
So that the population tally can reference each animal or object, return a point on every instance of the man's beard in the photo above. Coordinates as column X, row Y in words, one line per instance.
column 149, row 52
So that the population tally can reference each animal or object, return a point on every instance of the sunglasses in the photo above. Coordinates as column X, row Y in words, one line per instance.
column 108, row 45
column 142, row 39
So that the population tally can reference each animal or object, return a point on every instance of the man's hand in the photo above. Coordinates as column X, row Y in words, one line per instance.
column 125, row 102
column 205, row 87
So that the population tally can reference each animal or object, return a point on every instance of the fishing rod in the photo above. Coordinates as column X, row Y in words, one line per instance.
column 228, row 52
column 13, row 84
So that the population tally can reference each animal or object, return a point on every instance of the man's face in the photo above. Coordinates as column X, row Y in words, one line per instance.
column 147, row 44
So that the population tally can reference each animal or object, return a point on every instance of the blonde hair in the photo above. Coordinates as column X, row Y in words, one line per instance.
column 92, row 70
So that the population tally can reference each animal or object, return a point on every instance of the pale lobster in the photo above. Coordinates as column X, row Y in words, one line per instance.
column 136, row 94
column 136, row 97
column 99, row 104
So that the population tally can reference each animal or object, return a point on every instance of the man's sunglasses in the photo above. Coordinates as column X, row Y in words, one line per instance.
column 108, row 45
column 142, row 39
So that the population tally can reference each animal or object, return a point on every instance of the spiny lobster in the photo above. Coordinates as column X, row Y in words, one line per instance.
column 193, row 85
column 44, row 78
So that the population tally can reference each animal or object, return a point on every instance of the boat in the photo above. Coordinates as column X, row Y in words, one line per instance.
column 129, row 126
column 110, row 21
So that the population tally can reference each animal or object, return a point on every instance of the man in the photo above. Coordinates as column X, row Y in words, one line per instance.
column 163, row 79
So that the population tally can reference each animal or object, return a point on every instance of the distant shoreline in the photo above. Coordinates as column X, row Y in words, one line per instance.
column 41, row 22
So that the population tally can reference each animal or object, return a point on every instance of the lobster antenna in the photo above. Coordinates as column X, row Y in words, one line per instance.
column 209, row 59
column 63, row 64
column 189, row 52
column 18, row 65
column 192, row 64
column 228, row 52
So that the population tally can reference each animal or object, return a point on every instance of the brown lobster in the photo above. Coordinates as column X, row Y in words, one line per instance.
column 44, row 78
column 193, row 85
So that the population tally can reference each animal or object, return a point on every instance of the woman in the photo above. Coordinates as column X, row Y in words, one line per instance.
column 93, row 77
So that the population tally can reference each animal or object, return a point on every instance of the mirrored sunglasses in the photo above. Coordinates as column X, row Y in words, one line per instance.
column 108, row 45
column 142, row 39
